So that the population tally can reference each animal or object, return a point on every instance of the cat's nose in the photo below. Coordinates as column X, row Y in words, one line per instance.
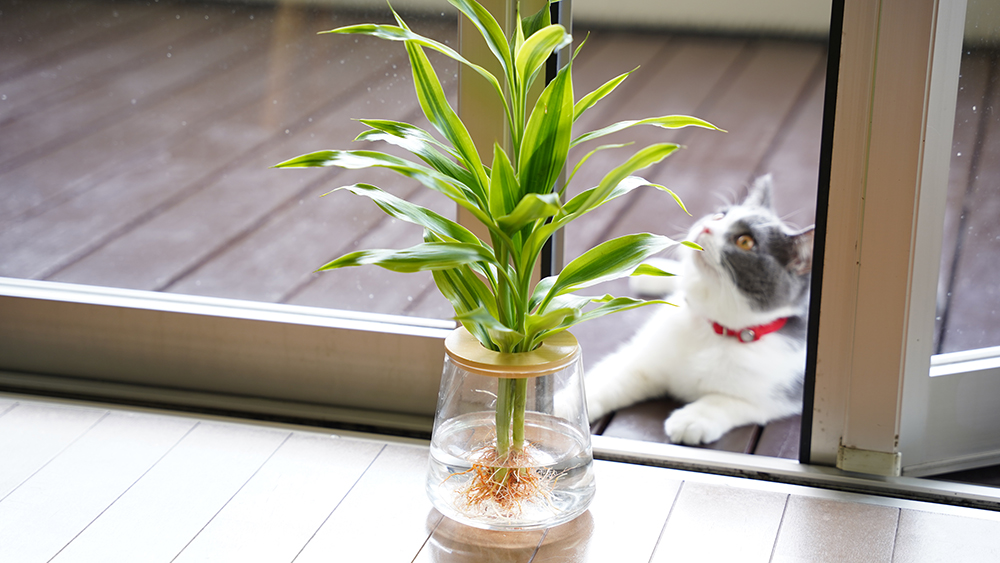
column 706, row 231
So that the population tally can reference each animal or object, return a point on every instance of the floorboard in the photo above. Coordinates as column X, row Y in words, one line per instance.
column 60, row 501
column 747, row 519
column 283, row 505
column 132, row 485
column 154, row 518
column 385, row 516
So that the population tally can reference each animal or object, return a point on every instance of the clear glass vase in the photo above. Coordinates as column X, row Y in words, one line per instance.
column 537, row 471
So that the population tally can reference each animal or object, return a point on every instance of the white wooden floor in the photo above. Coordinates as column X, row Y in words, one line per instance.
column 89, row 483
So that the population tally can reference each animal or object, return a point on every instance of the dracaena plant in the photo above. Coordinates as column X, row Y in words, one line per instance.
column 518, row 196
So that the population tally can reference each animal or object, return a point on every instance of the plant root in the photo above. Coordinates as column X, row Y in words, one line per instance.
column 501, row 485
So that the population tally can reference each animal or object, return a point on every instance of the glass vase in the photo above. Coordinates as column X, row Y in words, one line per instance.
column 537, row 470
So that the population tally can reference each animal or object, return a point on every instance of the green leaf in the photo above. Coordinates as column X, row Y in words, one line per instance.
column 592, row 98
column 356, row 160
column 587, row 156
column 690, row 244
column 666, row 122
column 458, row 285
column 419, row 258
column 625, row 186
column 611, row 305
column 489, row 29
column 538, row 20
column 536, row 50
column 597, row 196
column 535, row 324
column 435, row 105
column 397, row 33
column 541, row 289
column 607, row 261
column 648, row 270
column 412, row 213
column 531, row 208
column 546, row 137
column 483, row 317
column 418, row 142
column 505, row 190
column 643, row 158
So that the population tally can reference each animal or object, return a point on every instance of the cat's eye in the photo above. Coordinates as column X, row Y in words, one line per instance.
column 718, row 216
column 745, row 242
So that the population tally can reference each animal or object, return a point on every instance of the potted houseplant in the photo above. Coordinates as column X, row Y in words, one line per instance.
column 496, row 459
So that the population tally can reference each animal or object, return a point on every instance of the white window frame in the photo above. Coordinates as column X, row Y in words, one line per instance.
column 889, row 168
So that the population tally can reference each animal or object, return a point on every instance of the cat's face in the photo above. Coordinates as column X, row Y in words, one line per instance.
column 751, row 253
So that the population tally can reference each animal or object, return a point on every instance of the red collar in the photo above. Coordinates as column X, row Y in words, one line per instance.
column 750, row 333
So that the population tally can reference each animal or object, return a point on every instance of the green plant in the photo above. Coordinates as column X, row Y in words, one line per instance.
column 518, row 198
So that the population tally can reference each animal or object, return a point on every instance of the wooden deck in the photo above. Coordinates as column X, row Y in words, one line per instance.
column 135, row 142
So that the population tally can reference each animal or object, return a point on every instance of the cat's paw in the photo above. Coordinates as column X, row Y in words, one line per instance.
column 693, row 425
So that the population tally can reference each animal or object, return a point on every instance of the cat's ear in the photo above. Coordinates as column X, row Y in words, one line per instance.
column 801, row 263
column 759, row 194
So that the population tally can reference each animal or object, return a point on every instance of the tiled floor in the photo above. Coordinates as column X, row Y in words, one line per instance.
column 85, row 483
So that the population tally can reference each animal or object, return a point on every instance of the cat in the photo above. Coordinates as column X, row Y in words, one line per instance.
column 734, row 347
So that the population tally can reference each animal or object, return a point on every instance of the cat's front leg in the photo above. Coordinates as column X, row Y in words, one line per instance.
column 708, row 418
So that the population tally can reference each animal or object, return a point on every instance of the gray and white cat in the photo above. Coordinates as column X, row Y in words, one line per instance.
column 734, row 348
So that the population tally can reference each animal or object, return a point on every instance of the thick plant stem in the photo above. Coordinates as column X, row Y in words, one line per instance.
column 517, row 422
column 505, row 404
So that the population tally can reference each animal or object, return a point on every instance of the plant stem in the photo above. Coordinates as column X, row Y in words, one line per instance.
column 520, row 403
column 503, row 416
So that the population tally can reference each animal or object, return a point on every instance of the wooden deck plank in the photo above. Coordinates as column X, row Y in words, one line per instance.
column 38, row 134
column 207, row 221
column 644, row 421
column 747, row 519
column 390, row 499
column 780, row 438
column 972, row 310
column 37, row 521
column 161, row 512
column 40, row 32
column 661, row 93
column 283, row 505
column 30, row 95
column 36, row 180
column 32, row 248
column 608, row 533
column 38, row 435
column 752, row 110
column 370, row 289
column 238, row 193
column 973, row 77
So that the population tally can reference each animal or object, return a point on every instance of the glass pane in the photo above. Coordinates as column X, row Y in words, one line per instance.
column 968, row 295
column 136, row 140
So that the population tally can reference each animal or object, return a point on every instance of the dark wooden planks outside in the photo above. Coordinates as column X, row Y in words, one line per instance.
column 968, row 295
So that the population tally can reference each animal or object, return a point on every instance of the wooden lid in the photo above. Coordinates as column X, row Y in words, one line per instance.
column 556, row 353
